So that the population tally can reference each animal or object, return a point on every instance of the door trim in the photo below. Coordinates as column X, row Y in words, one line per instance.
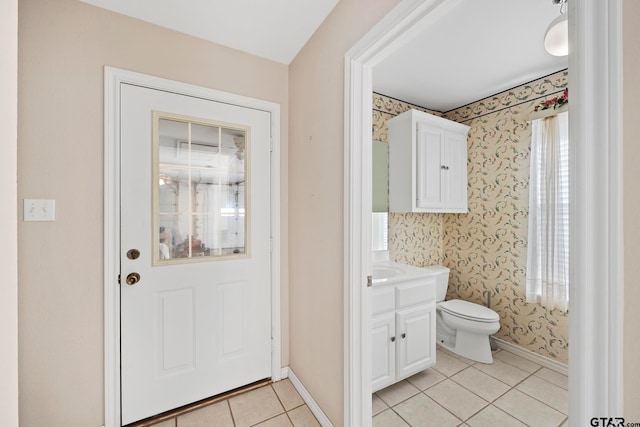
column 113, row 78
column 595, row 362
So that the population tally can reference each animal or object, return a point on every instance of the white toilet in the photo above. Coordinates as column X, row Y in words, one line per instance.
column 462, row 326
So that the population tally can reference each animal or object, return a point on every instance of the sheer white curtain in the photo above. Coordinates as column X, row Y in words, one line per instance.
column 548, row 245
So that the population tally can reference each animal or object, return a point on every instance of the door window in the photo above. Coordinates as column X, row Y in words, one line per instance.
column 200, row 189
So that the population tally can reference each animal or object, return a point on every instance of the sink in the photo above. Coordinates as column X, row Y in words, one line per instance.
column 392, row 272
column 384, row 272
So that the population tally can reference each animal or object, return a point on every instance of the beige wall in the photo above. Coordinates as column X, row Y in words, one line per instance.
column 63, row 47
column 631, row 201
column 316, row 184
column 9, row 247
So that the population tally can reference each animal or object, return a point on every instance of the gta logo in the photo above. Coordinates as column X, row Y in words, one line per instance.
column 607, row 422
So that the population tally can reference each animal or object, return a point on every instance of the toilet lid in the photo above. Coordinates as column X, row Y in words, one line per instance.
column 469, row 310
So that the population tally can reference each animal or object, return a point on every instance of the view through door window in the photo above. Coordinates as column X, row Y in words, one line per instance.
column 200, row 188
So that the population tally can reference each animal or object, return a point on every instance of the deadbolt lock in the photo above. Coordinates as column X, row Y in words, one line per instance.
column 132, row 278
column 133, row 254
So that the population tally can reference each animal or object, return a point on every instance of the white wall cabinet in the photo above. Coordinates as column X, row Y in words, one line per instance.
column 427, row 164
column 403, row 333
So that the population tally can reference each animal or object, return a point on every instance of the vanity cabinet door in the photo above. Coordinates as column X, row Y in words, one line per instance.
column 429, row 158
column 416, row 349
column 383, row 354
column 454, row 176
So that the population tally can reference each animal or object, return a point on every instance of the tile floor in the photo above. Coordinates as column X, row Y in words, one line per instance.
column 460, row 392
column 272, row 405
column 456, row 392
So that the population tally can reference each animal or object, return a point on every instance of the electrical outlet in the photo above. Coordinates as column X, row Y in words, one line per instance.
column 39, row 210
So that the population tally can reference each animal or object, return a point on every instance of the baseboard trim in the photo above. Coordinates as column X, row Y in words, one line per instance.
column 306, row 396
column 534, row 357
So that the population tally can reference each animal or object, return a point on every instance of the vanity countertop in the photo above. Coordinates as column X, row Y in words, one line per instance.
column 387, row 272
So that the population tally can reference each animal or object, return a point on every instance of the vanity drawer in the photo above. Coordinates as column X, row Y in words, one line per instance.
column 382, row 300
column 415, row 292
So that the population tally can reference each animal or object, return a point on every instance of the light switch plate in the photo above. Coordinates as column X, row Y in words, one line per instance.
column 39, row 210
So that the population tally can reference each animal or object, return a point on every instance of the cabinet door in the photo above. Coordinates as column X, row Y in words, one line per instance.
column 383, row 351
column 416, row 340
column 428, row 173
column 455, row 172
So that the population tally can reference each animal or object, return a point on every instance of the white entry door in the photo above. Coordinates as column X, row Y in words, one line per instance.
column 195, row 249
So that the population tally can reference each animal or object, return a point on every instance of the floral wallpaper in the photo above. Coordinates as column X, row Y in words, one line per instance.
column 486, row 249
column 385, row 108
column 414, row 238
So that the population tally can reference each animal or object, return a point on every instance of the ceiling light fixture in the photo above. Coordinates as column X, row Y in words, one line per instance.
column 556, row 39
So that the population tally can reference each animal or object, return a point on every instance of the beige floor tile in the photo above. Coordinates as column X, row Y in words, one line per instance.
column 502, row 371
column 377, row 405
column 481, row 384
column 492, row 417
column 554, row 377
column 255, row 406
column 517, row 361
column 425, row 379
column 565, row 423
column 548, row 393
column 388, row 418
column 456, row 399
column 215, row 415
column 457, row 356
column 448, row 365
column 529, row 410
column 167, row 423
column 289, row 396
column 397, row 392
column 303, row 417
column 422, row 411
column 281, row 420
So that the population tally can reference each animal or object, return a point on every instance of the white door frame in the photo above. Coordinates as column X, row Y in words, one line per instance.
column 113, row 78
column 595, row 359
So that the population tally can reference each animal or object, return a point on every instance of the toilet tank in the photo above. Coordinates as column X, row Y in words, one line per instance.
column 442, row 280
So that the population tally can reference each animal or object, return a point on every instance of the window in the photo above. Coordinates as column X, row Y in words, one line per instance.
column 548, row 244
column 200, row 188
column 380, row 231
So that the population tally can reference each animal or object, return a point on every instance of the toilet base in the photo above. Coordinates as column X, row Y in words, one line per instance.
column 472, row 346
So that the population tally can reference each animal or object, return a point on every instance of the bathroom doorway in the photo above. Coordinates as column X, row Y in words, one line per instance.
column 601, row 392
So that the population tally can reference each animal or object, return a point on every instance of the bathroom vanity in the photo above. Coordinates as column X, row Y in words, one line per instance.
column 403, row 306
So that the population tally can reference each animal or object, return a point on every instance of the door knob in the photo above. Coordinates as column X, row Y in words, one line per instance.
column 132, row 279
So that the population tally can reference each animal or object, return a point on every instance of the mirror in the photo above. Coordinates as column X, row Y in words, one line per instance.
column 380, row 205
column 380, row 176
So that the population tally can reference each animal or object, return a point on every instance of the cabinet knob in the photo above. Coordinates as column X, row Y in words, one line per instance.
column 443, row 167
column 403, row 336
column 393, row 339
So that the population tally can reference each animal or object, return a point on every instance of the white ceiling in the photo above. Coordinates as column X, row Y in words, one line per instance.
column 479, row 49
column 273, row 29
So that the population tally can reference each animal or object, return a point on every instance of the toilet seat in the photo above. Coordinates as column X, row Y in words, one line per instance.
column 468, row 310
